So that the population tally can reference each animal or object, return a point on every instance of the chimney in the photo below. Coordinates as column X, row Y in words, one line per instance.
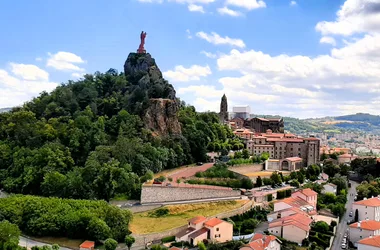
column 365, row 198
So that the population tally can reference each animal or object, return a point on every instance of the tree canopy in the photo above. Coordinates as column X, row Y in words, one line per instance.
column 87, row 140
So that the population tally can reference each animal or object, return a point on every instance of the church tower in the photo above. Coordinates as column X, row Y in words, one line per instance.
column 223, row 109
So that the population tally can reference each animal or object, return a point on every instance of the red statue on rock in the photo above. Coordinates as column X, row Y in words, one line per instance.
column 141, row 49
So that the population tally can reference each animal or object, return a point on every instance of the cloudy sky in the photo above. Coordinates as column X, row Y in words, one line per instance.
column 302, row 58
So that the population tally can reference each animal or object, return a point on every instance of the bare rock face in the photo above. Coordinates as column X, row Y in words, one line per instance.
column 161, row 116
column 154, row 98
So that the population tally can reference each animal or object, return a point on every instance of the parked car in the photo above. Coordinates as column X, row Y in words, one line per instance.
column 157, row 181
column 199, row 163
column 168, row 184
column 343, row 246
column 351, row 214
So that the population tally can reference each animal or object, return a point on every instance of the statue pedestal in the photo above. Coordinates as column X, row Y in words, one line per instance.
column 141, row 51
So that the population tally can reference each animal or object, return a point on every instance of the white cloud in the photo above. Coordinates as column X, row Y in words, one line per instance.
column 27, row 82
column 65, row 61
column 227, row 11
column 182, row 74
column 328, row 40
column 208, row 54
column 29, row 72
column 247, row 4
column 216, row 39
column 189, row 36
column 293, row 3
column 38, row 59
column 195, row 8
column 354, row 16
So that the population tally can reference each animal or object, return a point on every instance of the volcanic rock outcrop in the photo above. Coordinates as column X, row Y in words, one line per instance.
column 155, row 99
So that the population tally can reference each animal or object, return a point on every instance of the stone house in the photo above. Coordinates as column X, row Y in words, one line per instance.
column 307, row 194
column 87, row 245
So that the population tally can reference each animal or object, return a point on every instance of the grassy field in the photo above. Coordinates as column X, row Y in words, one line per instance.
column 178, row 215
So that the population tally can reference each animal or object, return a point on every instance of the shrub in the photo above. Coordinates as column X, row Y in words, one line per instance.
column 160, row 212
column 110, row 244
column 269, row 197
column 168, row 239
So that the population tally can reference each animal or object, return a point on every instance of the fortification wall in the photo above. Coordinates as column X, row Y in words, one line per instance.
column 160, row 194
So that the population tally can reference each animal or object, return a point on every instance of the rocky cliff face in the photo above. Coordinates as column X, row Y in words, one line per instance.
column 154, row 97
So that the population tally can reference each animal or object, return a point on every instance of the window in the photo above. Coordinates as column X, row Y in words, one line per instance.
column 216, row 236
column 276, row 232
column 365, row 212
column 217, row 229
column 299, row 149
column 361, row 236
column 291, row 149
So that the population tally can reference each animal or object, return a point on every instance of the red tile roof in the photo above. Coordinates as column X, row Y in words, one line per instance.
column 197, row 219
column 285, row 140
column 372, row 202
column 294, row 202
column 309, row 192
column 347, row 156
column 213, row 222
column 367, row 225
column 299, row 220
column 260, row 241
column 87, row 244
column 371, row 241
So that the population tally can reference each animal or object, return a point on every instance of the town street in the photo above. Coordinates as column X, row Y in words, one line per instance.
column 342, row 226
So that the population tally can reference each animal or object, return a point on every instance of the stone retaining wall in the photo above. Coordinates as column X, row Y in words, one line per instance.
column 160, row 194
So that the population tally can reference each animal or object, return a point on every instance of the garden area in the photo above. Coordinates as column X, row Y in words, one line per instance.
column 220, row 175
column 320, row 235
column 247, row 222
column 173, row 216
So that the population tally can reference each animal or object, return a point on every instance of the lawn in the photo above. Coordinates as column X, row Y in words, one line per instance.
column 178, row 215
column 265, row 173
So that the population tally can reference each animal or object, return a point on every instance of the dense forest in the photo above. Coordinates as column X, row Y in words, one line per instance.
column 80, row 219
column 87, row 139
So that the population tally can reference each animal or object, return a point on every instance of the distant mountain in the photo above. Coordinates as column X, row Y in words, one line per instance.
column 359, row 122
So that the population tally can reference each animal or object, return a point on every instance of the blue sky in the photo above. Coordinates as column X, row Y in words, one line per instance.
column 303, row 58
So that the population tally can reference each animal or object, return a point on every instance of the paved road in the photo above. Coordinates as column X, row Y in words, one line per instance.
column 25, row 242
column 342, row 227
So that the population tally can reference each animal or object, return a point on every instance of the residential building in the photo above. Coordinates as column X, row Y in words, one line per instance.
column 294, row 228
column 363, row 229
column 370, row 243
column 346, row 158
column 329, row 188
column 87, row 245
column 200, row 228
column 263, row 242
column 307, row 194
column 327, row 150
column 296, row 202
column 244, row 133
column 368, row 209
column 281, row 146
